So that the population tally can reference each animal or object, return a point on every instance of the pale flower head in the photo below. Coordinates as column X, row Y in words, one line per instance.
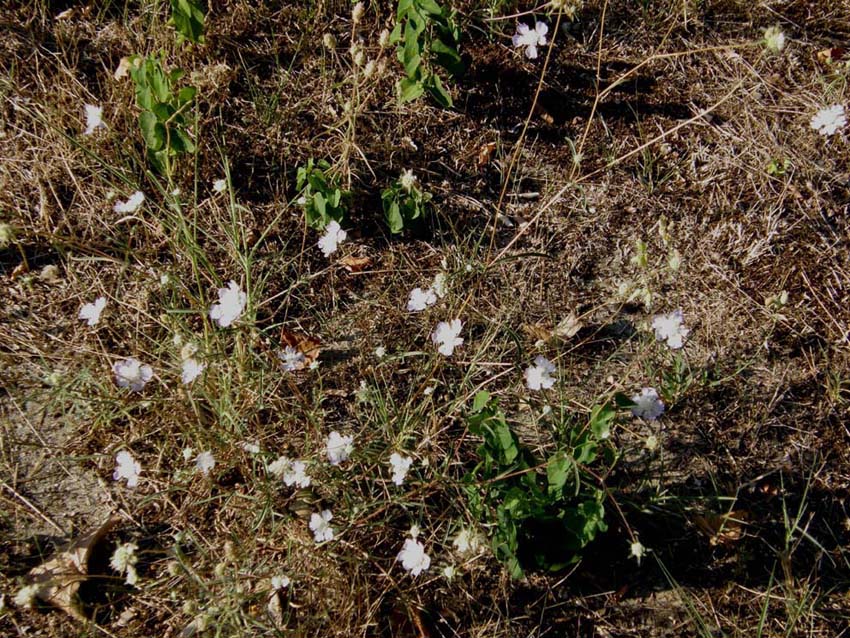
column 647, row 404
column 191, row 370
column 829, row 120
column 219, row 185
column 400, row 466
column 530, row 38
column 204, row 462
column 291, row 359
column 131, row 205
column 670, row 328
column 446, row 336
column 334, row 235
column 538, row 376
column 339, row 447
column 231, row 304
column 320, row 525
column 126, row 467
column 94, row 118
column 90, row 312
column 124, row 561
column 774, row 39
column 440, row 285
column 280, row 581
column 637, row 550
column 132, row 373
column 25, row 598
column 407, row 180
column 413, row 557
column 467, row 540
column 420, row 299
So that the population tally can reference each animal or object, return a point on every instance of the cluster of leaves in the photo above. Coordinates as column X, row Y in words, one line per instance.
column 322, row 198
column 539, row 521
column 426, row 36
column 403, row 203
column 163, row 120
column 187, row 16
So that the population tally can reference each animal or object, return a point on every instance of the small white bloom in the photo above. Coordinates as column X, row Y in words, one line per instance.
column 380, row 352
column 774, row 39
column 637, row 550
column 90, row 312
column 466, row 541
column 407, row 180
column 25, row 598
column 220, row 185
column 293, row 473
column 647, row 404
column 280, row 465
column 188, row 453
column 440, row 285
column 124, row 561
column 339, row 447
column 132, row 373
column 320, row 525
column 231, row 304
column 413, row 557
column 670, row 328
column 414, row 531
column 192, row 369
column 187, row 350
column 829, row 120
column 251, row 447
column 530, row 38
column 94, row 118
column 126, row 467
column 446, row 336
column 204, row 462
column 291, row 359
column 651, row 443
column 420, row 299
column 131, row 205
column 334, row 235
column 401, row 466
column 538, row 376
column 280, row 582
column 449, row 572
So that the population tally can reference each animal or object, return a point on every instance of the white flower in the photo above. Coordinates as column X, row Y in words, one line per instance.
column 231, row 304
column 637, row 550
column 651, row 443
column 25, row 598
column 647, row 404
column 829, row 119
column 339, row 447
column 414, row 531
column 538, row 376
column 291, row 359
column 670, row 328
column 407, row 180
column 126, row 467
column 280, row 582
column 466, row 541
column 124, row 561
column 413, row 557
column 440, row 285
column 530, row 38
column 292, row 472
column 188, row 453
column 334, row 235
column 220, row 185
column 321, row 527
column 251, row 447
column 774, row 39
column 445, row 336
column 204, row 462
column 380, row 352
column 401, row 465
column 94, row 118
column 132, row 373
column 449, row 572
column 131, row 205
column 420, row 299
column 192, row 369
column 90, row 312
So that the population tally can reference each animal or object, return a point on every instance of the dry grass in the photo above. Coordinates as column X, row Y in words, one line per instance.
column 757, row 424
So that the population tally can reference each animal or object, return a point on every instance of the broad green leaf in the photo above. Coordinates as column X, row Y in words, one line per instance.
column 429, row 6
column 410, row 90
column 153, row 132
column 557, row 471
column 394, row 219
column 601, row 417
column 480, row 401
column 438, row 91
column 186, row 94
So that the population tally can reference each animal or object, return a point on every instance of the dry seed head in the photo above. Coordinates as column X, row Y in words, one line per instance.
column 357, row 13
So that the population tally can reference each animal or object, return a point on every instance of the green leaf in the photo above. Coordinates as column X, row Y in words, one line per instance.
column 438, row 91
column 153, row 132
column 601, row 417
column 447, row 57
column 410, row 90
column 394, row 219
column 403, row 7
column 181, row 142
column 557, row 471
column 186, row 94
column 480, row 401
column 159, row 84
column 430, row 6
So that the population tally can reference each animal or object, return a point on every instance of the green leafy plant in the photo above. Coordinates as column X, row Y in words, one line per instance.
column 187, row 16
column 321, row 197
column 163, row 120
column 542, row 513
column 404, row 201
column 426, row 36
